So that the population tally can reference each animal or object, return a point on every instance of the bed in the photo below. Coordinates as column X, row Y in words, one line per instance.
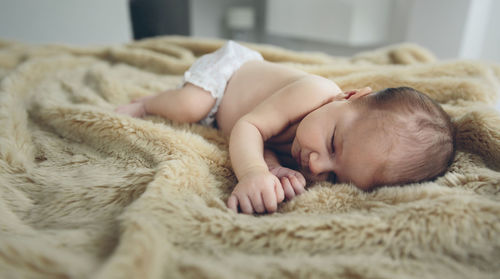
column 85, row 192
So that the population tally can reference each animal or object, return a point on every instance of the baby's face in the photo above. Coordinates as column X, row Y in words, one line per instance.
column 335, row 140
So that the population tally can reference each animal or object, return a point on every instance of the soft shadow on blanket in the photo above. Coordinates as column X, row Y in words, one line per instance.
column 85, row 192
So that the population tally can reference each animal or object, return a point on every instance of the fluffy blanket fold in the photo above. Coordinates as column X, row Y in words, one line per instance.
column 85, row 192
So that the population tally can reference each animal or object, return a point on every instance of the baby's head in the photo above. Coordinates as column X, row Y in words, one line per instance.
column 418, row 135
column 394, row 136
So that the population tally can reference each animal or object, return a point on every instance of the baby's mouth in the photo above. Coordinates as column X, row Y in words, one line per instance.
column 315, row 177
column 297, row 158
column 305, row 161
column 309, row 176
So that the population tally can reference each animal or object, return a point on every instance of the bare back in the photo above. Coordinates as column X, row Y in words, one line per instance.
column 254, row 82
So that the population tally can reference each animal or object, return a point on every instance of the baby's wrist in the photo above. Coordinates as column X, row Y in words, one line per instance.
column 253, row 171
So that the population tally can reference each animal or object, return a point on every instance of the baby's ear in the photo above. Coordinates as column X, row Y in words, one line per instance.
column 357, row 93
column 351, row 95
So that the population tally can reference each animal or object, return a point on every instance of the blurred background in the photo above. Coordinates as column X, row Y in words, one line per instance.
column 465, row 29
column 451, row 29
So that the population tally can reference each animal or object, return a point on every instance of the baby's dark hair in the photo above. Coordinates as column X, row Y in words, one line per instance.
column 420, row 136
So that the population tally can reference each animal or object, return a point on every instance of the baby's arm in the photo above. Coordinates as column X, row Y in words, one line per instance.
column 258, row 189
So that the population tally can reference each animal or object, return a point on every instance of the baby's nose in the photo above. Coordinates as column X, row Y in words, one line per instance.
column 319, row 164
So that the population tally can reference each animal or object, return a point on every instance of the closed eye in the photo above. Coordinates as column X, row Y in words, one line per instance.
column 333, row 142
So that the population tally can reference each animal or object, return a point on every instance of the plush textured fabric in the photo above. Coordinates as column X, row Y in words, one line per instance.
column 85, row 192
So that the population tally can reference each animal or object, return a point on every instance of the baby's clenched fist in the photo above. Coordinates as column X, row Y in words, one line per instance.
column 258, row 192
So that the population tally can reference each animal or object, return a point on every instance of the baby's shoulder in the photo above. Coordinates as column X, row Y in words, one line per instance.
column 321, row 85
column 309, row 89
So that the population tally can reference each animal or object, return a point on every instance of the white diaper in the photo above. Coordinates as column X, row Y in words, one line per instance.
column 212, row 72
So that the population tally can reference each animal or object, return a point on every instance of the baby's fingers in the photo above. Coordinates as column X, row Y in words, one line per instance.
column 297, row 186
column 243, row 202
column 300, row 178
column 232, row 203
column 287, row 188
column 257, row 203
column 270, row 201
column 245, row 205
column 280, row 194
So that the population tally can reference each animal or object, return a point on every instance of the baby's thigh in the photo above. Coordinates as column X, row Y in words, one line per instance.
column 194, row 100
column 196, row 96
column 187, row 104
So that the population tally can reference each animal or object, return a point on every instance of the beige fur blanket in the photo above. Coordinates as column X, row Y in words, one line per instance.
column 85, row 192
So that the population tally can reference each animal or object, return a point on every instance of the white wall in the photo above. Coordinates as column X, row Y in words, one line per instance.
column 354, row 22
column 438, row 25
column 465, row 29
column 449, row 28
column 83, row 22
column 207, row 17
column 491, row 46
column 452, row 29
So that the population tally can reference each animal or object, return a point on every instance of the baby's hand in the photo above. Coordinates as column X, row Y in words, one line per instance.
column 256, row 192
column 293, row 182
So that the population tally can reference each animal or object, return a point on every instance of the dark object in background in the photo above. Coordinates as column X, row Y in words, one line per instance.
column 159, row 17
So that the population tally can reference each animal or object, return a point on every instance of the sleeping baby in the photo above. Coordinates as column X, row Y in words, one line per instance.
column 286, row 127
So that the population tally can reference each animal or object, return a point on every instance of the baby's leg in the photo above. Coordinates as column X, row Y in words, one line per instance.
column 135, row 108
column 142, row 99
column 187, row 104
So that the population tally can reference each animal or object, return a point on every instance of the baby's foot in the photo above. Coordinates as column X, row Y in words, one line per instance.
column 132, row 109
column 142, row 99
